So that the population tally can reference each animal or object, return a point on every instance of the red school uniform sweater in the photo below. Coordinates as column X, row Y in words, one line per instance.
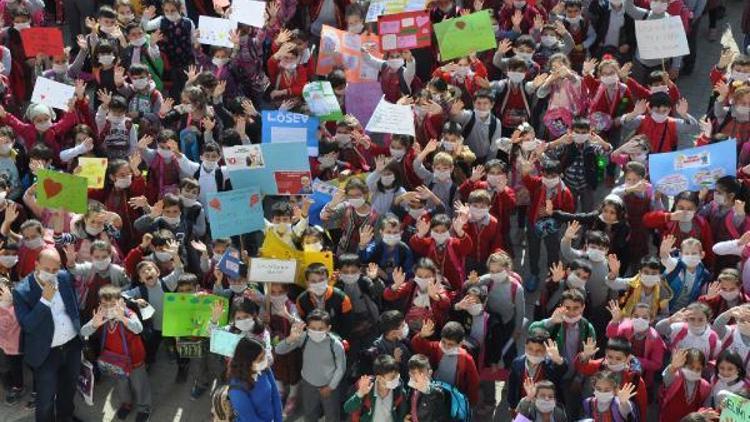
column 701, row 230
column 662, row 137
column 563, row 200
column 113, row 341
column 502, row 207
column 676, row 405
column 641, row 395
column 601, row 102
column 485, row 238
column 449, row 258
column 282, row 80
column 467, row 376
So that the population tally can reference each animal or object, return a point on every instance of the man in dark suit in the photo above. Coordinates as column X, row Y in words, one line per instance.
column 47, row 311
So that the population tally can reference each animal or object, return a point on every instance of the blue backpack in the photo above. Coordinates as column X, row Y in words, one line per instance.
column 460, row 408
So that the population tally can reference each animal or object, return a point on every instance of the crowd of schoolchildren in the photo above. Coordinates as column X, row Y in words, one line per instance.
column 633, row 302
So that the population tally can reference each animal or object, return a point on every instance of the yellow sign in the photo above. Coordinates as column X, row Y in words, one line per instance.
column 274, row 247
column 94, row 170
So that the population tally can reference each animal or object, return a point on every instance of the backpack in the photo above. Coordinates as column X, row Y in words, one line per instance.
column 221, row 406
column 470, row 125
column 460, row 407
column 330, row 344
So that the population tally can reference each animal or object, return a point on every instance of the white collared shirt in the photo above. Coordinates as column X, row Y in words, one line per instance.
column 64, row 330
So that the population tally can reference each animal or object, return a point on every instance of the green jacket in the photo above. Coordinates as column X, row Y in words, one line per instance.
column 363, row 409
column 556, row 332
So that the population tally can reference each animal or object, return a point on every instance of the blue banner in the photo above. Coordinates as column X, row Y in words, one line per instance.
column 283, row 163
column 693, row 168
column 283, row 126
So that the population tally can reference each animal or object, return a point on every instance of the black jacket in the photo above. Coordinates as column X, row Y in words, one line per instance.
column 599, row 12
column 435, row 406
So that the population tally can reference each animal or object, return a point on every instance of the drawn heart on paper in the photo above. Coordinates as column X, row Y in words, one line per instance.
column 52, row 188
column 421, row 20
column 254, row 199
column 215, row 204
column 460, row 25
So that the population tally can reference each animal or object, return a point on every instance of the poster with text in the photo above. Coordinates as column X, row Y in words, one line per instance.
column 279, row 158
column 284, row 126
column 244, row 157
column 389, row 7
column 391, row 118
column 405, row 30
column 322, row 101
column 235, row 212
column 693, row 168
column 215, row 31
column 293, row 182
column 661, row 38
column 52, row 93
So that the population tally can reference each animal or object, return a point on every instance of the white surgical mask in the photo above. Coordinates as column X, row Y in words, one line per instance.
column 687, row 216
column 101, row 264
column 650, row 280
column 550, row 182
column 244, row 325
column 326, row 161
column 43, row 126
column 349, row 278
column 440, row 238
column 574, row 20
column 580, row 138
column 726, row 380
column 356, row 28
column 544, row 405
column 123, row 182
column 640, row 325
column 46, row 277
column 596, row 255
column 575, row 281
column 535, row 360
column 106, row 59
column 397, row 153
column 697, row 330
column 549, row 40
column 173, row 17
column 477, row 213
column 689, row 374
column 729, row 295
column 188, row 202
column 516, row 77
column 59, row 68
column 475, row 309
column 659, row 117
column 482, row 114
column 497, row 180
column 394, row 383
column 720, row 199
column 617, row 367
column 20, row 26
column 165, row 153
column 691, row 260
column 140, row 83
column 219, row 61
column 210, row 165
column 8, row 261
column 282, row 228
column 162, row 256
column 415, row 213
column 116, row 120
column 572, row 320
column 316, row 336
column 391, row 239
column 526, row 57
column 138, row 42
column 388, row 180
column 610, row 80
column 422, row 282
column 356, row 202
column 442, row 175
column 172, row 221
column 449, row 351
column 33, row 243
column 604, row 398
column 318, row 289
column 395, row 63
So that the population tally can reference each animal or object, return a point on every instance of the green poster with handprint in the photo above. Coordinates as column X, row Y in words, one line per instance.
column 188, row 314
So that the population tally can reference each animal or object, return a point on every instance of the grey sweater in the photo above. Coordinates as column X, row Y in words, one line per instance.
column 320, row 368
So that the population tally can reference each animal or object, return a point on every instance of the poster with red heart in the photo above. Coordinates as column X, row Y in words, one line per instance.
column 57, row 190
column 405, row 30
column 235, row 212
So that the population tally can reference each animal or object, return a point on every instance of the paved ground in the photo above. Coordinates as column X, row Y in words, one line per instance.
column 171, row 401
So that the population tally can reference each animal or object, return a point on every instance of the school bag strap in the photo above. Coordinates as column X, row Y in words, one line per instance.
column 472, row 121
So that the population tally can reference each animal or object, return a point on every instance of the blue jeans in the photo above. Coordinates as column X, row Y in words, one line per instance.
column 55, row 381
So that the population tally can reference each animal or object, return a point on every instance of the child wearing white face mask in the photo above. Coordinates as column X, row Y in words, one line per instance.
column 685, row 390
column 385, row 184
column 686, row 275
column 730, row 377
column 689, row 329
column 540, row 402
column 610, row 401
column 382, row 399
column 445, row 248
column 736, row 336
column 94, row 274
column 397, row 72
column 144, row 99
column 452, row 364
column 541, row 362
column 323, row 364
column 116, row 129
column 440, row 179
column 480, row 128
column 646, row 344
column 648, row 286
column 388, row 252
column 349, row 210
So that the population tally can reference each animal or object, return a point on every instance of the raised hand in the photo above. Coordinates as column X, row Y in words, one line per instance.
column 364, row 385
column 504, row 46
column 99, row 317
column 104, row 96
column 372, row 270
column 557, row 272
column 589, row 349
column 713, row 290
column 739, row 207
column 217, row 310
column 553, row 351
column 640, row 107
column 682, row 107
column 296, row 332
column 667, row 244
column 572, row 231
column 199, row 246
column 366, row 233
column 679, row 359
column 558, row 315
column 530, row 388
column 477, row 173
column 614, row 310
column 399, row 277
column 423, row 227
column 744, row 239
column 428, row 328
column 626, row 392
